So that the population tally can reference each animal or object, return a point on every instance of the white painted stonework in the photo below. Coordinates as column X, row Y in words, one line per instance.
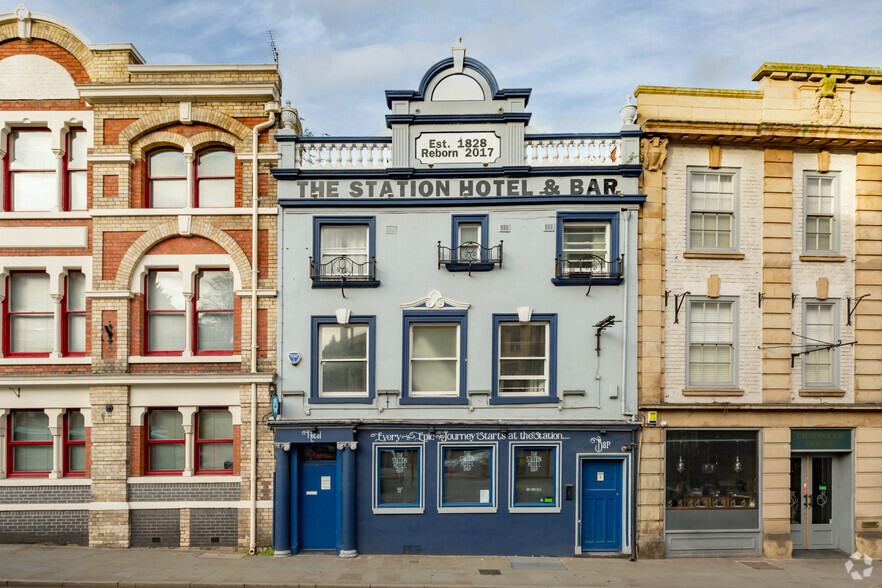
column 44, row 237
column 34, row 77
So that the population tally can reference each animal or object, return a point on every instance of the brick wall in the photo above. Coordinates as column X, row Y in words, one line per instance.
column 213, row 527
column 45, row 526
column 156, row 528
column 178, row 492
column 44, row 494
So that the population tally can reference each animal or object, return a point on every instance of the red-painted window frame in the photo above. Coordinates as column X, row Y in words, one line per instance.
column 7, row 165
column 148, row 442
column 199, row 178
column 197, row 312
column 7, row 318
column 148, row 312
column 65, row 321
column 66, row 445
column 65, row 188
column 11, row 443
column 150, row 179
column 197, row 442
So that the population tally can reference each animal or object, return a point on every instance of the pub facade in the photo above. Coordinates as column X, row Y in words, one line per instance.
column 457, row 327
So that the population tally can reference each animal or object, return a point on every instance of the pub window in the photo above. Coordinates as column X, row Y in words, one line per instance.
column 535, row 479
column 467, row 478
column 399, row 473
column 711, row 480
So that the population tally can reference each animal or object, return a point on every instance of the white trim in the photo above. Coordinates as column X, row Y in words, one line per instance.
column 435, row 301
column 45, row 215
column 627, row 502
column 183, row 480
column 263, row 293
column 45, row 361
column 109, row 294
column 99, row 506
column 558, row 448
column 185, row 359
column 274, row 156
column 94, row 93
column 170, row 212
column 223, row 67
column 111, row 158
column 188, row 264
column 43, row 481
column 375, row 478
column 485, row 509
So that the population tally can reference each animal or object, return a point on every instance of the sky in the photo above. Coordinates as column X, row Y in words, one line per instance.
column 581, row 58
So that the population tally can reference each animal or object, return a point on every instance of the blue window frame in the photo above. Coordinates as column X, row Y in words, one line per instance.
column 468, row 249
column 343, row 252
column 343, row 359
column 433, row 357
column 524, row 359
column 535, row 478
column 468, row 478
column 398, row 481
column 587, row 249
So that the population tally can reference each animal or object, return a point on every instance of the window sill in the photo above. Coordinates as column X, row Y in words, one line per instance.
column 182, row 359
column 711, row 255
column 45, row 360
column 341, row 399
column 587, row 281
column 823, row 258
column 397, row 510
column 494, row 399
column 44, row 481
column 346, row 283
column 534, row 509
column 179, row 479
column 483, row 266
column 466, row 509
column 821, row 393
column 40, row 215
column 713, row 392
column 404, row 399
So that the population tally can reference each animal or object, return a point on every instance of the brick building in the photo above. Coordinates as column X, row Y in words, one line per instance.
column 138, row 328
column 760, row 344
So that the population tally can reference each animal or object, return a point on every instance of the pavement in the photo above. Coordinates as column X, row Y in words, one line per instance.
column 55, row 566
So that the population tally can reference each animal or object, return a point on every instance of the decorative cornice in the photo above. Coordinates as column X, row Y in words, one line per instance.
column 108, row 93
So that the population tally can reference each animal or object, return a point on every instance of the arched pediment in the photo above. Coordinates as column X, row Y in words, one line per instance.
column 34, row 77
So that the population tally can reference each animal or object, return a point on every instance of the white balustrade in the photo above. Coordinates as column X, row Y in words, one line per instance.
column 569, row 151
column 344, row 155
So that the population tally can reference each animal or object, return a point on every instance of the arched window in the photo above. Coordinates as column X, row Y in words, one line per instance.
column 166, row 179
column 215, row 179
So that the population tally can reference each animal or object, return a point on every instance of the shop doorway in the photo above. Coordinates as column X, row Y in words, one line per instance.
column 601, row 504
column 318, row 497
column 820, row 496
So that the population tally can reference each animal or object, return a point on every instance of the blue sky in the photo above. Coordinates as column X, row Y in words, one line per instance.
column 581, row 58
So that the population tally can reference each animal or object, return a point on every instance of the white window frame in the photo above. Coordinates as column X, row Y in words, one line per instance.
column 733, row 365
column 558, row 498
column 375, row 493
column 455, row 393
column 835, row 355
column 367, row 362
column 834, row 216
column 690, row 208
column 545, row 358
column 589, row 224
column 494, row 478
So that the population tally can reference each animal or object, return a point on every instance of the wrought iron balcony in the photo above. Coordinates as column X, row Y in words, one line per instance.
column 343, row 269
column 588, row 268
column 469, row 256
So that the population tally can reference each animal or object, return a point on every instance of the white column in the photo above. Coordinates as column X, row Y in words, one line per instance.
column 189, row 414
column 188, row 327
column 56, row 334
column 189, row 156
column 56, row 416
column 59, row 178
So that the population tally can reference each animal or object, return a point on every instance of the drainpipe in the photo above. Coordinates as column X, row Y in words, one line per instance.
column 627, row 238
column 272, row 108
column 635, row 459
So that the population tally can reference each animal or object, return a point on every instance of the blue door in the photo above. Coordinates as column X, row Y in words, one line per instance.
column 601, row 505
column 318, row 502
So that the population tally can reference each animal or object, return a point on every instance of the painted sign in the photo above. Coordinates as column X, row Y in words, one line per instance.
column 457, row 147
column 820, row 440
column 458, row 188
column 466, row 436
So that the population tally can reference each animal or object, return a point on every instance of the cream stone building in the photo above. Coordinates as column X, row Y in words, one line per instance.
column 138, row 273
column 760, row 315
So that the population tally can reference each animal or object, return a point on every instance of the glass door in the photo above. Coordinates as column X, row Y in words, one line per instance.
column 812, row 524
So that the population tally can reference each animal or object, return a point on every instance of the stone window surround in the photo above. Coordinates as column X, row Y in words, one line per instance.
column 56, row 428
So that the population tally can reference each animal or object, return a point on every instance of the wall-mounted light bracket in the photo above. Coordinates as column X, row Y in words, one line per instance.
column 851, row 308
column 679, row 299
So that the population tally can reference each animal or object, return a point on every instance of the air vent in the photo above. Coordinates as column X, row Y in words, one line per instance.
column 549, row 228
column 157, row 540
column 215, row 539
column 505, row 228
column 486, row 572
column 392, row 230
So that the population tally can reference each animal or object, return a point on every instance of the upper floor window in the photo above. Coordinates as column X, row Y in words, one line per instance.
column 711, row 353
column 210, row 311
column 31, row 179
column 821, row 215
column 74, row 308
column 524, row 358
column 74, row 443
column 821, row 331
column 216, row 179
column 343, row 359
column 167, row 179
column 343, row 251
column 30, row 443
column 210, row 442
column 587, row 249
column 75, row 187
column 468, row 249
column 713, row 204
column 29, row 314
column 434, row 357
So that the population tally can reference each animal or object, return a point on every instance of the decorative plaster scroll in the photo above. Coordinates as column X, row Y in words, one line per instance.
column 435, row 301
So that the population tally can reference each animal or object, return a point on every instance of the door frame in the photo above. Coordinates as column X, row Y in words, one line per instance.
column 337, row 501
column 626, row 463
column 843, row 506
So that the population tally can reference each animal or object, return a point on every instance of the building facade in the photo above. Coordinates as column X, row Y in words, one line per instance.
column 137, row 262
column 760, row 256
column 457, row 330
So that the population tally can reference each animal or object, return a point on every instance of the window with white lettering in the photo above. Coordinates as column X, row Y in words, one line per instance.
column 399, row 477
column 535, row 476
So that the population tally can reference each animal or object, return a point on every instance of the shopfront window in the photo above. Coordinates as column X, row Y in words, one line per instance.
column 711, row 480
column 399, row 477
column 467, row 477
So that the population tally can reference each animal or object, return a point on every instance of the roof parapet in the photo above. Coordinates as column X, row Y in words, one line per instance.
column 815, row 72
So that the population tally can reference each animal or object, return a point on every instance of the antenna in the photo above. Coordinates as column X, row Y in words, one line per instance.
column 272, row 43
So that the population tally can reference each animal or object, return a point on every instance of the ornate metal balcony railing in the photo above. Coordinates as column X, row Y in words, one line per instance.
column 588, row 266
column 342, row 269
column 469, row 256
